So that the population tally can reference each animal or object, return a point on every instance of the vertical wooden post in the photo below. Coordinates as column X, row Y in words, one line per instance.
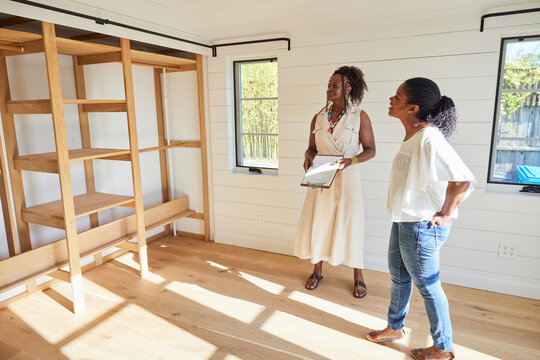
column 57, row 109
column 12, row 151
column 161, row 140
column 204, row 159
column 85, row 133
column 135, row 164
column 80, row 88
column 7, row 208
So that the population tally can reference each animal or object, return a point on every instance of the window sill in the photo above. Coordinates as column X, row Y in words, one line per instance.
column 264, row 172
column 493, row 188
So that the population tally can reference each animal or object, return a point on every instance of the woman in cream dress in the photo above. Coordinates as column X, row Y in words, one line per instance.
column 332, row 222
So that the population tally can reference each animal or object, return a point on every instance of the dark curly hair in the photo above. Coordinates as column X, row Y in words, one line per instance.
column 353, row 76
column 437, row 110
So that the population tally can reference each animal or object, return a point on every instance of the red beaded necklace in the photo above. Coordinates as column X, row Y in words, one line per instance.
column 331, row 123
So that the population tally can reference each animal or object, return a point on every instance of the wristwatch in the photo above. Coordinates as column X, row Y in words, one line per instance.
column 354, row 160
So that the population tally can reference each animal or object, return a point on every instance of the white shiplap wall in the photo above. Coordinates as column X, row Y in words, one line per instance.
column 449, row 50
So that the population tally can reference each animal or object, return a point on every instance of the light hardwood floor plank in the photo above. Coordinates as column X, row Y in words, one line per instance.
column 212, row 301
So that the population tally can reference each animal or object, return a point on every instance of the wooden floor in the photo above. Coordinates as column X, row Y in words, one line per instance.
column 219, row 302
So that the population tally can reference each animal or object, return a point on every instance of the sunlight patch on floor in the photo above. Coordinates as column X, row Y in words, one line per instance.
column 238, row 309
column 219, row 266
column 129, row 259
column 231, row 357
column 266, row 285
column 321, row 339
column 46, row 320
column 154, row 278
column 463, row 352
column 149, row 337
column 354, row 316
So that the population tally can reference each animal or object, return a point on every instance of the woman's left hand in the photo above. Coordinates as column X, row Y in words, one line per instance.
column 344, row 163
column 440, row 219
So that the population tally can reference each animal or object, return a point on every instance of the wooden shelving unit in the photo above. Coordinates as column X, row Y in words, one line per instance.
column 63, row 213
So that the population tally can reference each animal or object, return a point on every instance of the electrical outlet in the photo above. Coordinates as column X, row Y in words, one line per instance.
column 260, row 217
column 508, row 250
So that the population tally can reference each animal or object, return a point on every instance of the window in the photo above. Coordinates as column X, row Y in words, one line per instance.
column 515, row 143
column 256, row 113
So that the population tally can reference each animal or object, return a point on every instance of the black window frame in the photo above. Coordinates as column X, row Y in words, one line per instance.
column 238, row 113
column 496, row 114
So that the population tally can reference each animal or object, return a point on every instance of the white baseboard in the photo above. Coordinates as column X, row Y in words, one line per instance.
column 481, row 280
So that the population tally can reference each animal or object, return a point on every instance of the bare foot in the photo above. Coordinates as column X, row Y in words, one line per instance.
column 431, row 353
column 379, row 336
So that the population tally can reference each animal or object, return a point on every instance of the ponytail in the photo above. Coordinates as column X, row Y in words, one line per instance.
column 444, row 117
column 437, row 110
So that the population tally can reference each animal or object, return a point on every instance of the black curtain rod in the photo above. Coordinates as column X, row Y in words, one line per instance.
column 505, row 13
column 102, row 21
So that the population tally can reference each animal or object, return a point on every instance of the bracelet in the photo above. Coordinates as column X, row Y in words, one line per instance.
column 354, row 160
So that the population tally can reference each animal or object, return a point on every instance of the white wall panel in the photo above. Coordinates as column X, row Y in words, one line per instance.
column 464, row 63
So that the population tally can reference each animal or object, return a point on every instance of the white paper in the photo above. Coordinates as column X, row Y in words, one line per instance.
column 322, row 172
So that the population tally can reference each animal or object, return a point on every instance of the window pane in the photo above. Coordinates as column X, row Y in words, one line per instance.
column 516, row 148
column 259, row 79
column 520, row 115
column 521, row 65
column 260, row 151
column 517, row 161
column 259, row 116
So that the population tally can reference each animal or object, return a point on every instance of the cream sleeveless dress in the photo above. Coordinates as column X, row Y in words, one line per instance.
column 332, row 222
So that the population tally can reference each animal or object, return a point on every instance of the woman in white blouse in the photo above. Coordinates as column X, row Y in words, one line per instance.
column 427, row 182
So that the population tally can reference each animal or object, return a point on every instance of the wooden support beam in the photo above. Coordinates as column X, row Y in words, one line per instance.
column 29, row 47
column 129, row 246
column 84, row 125
column 204, row 155
column 7, row 207
column 99, row 58
column 134, row 147
column 60, row 275
column 57, row 107
column 12, row 151
column 110, row 107
column 12, row 47
column 190, row 67
column 40, row 261
column 198, row 215
column 186, row 143
column 162, row 142
column 28, row 107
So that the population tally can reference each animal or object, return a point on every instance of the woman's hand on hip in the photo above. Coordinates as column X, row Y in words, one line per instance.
column 440, row 219
column 344, row 163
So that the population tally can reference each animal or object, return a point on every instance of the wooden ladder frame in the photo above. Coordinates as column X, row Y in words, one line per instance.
column 63, row 213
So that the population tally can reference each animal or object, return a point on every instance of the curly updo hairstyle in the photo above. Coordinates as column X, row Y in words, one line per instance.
column 353, row 76
column 437, row 110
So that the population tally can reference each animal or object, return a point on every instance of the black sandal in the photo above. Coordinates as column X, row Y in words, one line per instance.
column 317, row 277
column 359, row 283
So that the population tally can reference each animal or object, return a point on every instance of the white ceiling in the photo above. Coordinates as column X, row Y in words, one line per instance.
column 218, row 21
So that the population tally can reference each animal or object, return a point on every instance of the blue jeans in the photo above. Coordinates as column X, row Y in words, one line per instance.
column 413, row 256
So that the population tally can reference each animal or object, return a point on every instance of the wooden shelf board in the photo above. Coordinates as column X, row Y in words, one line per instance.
column 34, row 263
column 93, row 101
column 82, row 48
column 47, row 162
column 52, row 213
